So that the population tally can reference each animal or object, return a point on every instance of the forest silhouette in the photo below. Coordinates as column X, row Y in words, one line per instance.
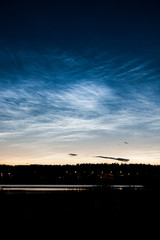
column 147, row 175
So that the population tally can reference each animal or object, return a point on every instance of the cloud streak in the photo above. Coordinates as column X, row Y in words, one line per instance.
column 113, row 158
column 73, row 154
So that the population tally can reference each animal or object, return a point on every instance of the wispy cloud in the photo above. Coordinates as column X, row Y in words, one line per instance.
column 64, row 97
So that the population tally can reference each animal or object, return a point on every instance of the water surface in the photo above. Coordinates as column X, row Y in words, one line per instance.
column 20, row 187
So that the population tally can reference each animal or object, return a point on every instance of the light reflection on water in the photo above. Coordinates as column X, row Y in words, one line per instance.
column 44, row 189
column 33, row 188
column 121, row 187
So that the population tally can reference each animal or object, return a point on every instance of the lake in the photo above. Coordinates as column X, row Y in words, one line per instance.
column 90, row 203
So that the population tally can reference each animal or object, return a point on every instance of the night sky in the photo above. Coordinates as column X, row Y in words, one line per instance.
column 79, row 81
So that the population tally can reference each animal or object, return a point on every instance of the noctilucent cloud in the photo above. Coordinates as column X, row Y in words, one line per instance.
column 79, row 82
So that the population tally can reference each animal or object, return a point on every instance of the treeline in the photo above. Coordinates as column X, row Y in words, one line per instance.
column 81, row 174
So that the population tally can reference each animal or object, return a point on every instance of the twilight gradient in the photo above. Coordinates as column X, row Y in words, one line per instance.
column 79, row 81
column 55, row 103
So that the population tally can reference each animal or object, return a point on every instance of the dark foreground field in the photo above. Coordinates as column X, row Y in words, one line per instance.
column 88, row 207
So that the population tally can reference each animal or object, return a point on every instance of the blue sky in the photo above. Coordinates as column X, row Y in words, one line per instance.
column 79, row 82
